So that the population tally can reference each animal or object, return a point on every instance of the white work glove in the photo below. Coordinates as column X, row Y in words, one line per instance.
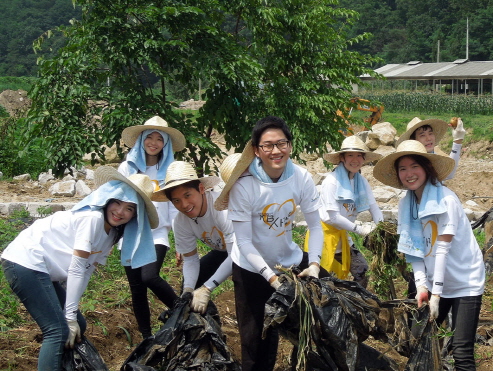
column 313, row 270
column 363, row 230
column 74, row 334
column 200, row 300
column 422, row 295
column 459, row 132
column 434, row 301
column 275, row 284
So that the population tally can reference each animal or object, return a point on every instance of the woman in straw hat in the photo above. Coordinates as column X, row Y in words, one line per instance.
column 68, row 245
column 261, row 195
column 344, row 194
column 152, row 146
column 197, row 220
column 430, row 132
column 437, row 239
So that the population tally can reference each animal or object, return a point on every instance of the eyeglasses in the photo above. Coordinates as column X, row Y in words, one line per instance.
column 282, row 144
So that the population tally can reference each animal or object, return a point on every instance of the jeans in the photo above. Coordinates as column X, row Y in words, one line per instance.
column 140, row 279
column 44, row 300
column 465, row 317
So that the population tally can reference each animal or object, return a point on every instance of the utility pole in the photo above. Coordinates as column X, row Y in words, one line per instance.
column 467, row 38
column 438, row 52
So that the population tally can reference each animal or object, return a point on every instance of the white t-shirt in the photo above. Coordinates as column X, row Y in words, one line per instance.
column 214, row 229
column 48, row 244
column 166, row 211
column 464, row 267
column 346, row 210
column 271, row 208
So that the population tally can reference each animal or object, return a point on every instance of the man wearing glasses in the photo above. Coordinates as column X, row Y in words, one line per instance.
column 264, row 190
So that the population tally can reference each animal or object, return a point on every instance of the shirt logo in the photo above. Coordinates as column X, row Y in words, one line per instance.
column 278, row 216
column 214, row 239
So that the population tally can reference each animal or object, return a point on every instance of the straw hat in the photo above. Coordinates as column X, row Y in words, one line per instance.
column 385, row 172
column 141, row 183
column 439, row 129
column 230, row 170
column 352, row 144
column 130, row 134
column 180, row 172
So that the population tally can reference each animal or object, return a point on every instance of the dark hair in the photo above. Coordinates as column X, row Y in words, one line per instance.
column 425, row 163
column 118, row 229
column 267, row 123
column 424, row 127
column 191, row 184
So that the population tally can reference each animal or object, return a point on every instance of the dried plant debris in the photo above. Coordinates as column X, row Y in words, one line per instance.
column 187, row 341
column 327, row 320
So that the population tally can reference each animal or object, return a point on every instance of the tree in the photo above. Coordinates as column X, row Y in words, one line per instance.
column 287, row 58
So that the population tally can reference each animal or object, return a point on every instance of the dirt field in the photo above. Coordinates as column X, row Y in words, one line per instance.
column 19, row 347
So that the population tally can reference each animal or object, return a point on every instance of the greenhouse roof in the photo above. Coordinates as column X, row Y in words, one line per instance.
column 461, row 69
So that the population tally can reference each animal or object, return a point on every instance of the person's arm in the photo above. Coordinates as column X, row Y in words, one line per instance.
column 191, row 270
column 243, row 233
column 315, row 244
column 223, row 271
column 340, row 222
column 78, row 276
column 376, row 213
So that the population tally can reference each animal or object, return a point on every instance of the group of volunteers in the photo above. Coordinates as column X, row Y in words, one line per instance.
column 248, row 227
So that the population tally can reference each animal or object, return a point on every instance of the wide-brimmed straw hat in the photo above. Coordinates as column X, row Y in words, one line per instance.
column 180, row 172
column 130, row 134
column 230, row 172
column 439, row 129
column 385, row 171
column 352, row 144
column 141, row 183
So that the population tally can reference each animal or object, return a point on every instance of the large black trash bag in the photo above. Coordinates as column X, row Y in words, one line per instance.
column 187, row 341
column 425, row 347
column 343, row 315
column 84, row 357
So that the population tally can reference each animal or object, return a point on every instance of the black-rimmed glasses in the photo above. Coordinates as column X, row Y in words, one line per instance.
column 282, row 144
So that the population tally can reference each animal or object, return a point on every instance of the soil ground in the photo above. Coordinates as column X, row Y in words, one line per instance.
column 114, row 331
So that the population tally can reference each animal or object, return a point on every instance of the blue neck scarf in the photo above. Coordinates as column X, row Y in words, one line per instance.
column 257, row 170
column 138, row 244
column 136, row 157
column 411, row 239
column 344, row 191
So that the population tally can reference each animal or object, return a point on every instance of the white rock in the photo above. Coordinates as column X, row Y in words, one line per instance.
column 81, row 189
column 89, row 174
column 66, row 189
column 44, row 178
column 23, row 177
column 471, row 203
column 383, row 194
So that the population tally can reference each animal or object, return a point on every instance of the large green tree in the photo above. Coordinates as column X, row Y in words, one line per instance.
column 287, row 58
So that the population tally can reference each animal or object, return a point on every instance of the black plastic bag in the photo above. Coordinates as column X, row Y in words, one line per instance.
column 187, row 341
column 343, row 315
column 425, row 349
column 84, row 357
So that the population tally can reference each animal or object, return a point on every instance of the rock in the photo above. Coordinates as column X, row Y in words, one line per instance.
column 1, row 175
column 383, row 194
column 385, row 150
column 81, row 189
column 362, row 135
column 42, row 209
column 15, row 101
column 64, row 189
column 89, row 174
column 471, row 203
column 382, row 133
column 44, row 178
column 110, row 154
column 67, row 178
column 23, row 177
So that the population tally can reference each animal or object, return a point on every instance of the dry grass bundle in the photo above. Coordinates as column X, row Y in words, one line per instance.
column 387, row 263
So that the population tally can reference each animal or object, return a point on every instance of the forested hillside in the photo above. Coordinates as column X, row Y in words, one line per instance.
column 402, row 30
column 405, row 30
column 22, row 22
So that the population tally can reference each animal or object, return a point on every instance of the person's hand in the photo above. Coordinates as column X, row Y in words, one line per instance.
column 275, row 284
column 434, row 301
column 422, row 295
column 200, row 299
column 179, row 259
column 313, row 270
column 363, row 230
column 458, row 133
column 186, row 290
column 74, row 334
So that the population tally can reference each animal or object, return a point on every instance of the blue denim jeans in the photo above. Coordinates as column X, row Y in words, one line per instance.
column 465, row 317
column 44, row 300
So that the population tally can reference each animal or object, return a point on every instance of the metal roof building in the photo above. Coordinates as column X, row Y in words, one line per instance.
column 460, row 77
